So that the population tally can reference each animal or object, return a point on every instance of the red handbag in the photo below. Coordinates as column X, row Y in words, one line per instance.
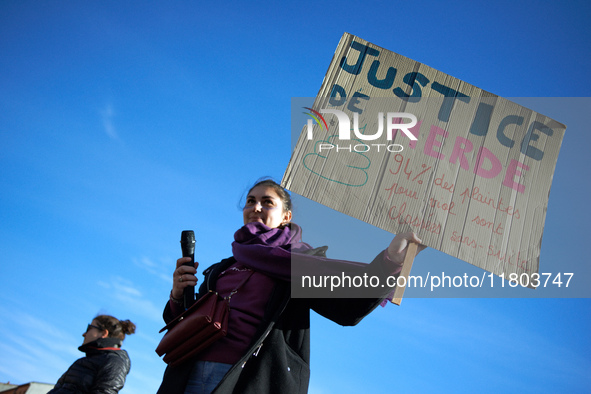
column 198, row 327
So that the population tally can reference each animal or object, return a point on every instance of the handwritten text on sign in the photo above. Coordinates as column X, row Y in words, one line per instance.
column 473, row 184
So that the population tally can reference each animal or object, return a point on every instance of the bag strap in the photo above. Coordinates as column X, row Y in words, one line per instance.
column 239, row 286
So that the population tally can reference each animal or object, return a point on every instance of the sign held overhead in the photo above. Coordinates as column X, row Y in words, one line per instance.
column 405, row 147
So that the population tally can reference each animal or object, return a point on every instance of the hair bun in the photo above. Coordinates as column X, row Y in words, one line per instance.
column 127, row 327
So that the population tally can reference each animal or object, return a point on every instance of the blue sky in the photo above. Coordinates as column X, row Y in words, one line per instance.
column 123, row 123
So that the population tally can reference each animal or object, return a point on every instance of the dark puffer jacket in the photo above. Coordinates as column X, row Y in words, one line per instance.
column 103, row 370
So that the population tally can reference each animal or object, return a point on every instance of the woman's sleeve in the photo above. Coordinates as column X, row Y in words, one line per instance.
column 350, row 311
column 171, row 311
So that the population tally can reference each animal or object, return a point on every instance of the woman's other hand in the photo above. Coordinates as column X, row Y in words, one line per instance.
column 397, row 248
column 183, row 276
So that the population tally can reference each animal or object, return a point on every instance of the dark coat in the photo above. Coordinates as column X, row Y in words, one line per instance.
column 279, row 356
column 103, row 370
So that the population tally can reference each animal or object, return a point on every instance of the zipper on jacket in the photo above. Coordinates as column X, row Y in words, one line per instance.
column 268, row 331
column 257, row 349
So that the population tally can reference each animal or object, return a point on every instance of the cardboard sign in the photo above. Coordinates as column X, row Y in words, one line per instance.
column 473, row 182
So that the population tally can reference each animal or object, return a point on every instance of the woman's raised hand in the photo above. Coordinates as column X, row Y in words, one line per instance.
column 183, row 276
column 397, row 248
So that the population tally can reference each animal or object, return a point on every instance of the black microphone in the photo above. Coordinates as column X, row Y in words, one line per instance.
column 188, row 248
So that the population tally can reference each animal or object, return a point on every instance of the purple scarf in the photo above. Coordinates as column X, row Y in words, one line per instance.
column 272, row 251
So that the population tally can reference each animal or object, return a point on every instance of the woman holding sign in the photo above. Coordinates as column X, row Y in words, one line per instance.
column 267, row 347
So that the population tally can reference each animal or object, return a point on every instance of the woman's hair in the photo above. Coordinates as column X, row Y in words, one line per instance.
column 281, row 192
column 117, row 328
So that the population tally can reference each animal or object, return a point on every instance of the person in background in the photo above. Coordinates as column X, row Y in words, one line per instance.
column 267, row 347
column 105, row 366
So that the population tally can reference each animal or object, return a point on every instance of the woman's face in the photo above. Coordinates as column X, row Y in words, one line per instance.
column 93, row 332
column 264, row 205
